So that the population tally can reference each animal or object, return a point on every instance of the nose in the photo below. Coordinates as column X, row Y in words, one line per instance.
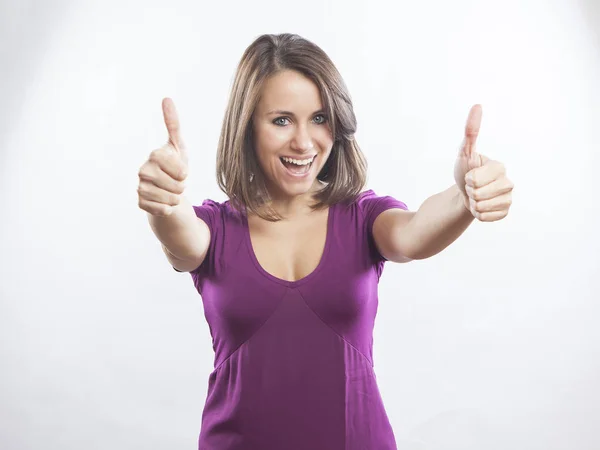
column 302, row 140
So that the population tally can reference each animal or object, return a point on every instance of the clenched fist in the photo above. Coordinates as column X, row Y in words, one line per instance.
column 486, row 190
column 162, row 176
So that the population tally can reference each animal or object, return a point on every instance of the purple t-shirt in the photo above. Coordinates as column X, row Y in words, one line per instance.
column 293, row 359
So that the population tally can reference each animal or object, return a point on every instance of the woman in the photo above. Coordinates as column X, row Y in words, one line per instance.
column 288, row 267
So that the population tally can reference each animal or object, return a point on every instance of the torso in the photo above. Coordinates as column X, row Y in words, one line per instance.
column 293, row 361
column 289, row 250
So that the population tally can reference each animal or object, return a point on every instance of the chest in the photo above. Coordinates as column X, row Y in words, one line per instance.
column 289, row 250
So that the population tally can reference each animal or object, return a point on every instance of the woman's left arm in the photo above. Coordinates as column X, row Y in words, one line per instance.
column 482, row 190
column 402, row 236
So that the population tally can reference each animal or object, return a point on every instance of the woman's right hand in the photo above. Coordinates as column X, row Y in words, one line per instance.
column 162, row 176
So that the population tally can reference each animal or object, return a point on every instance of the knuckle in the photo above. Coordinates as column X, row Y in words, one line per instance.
column 179, row 171
column 155, row 156
column 143, row 172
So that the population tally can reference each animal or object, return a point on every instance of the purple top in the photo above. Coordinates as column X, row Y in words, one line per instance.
column 293, row 359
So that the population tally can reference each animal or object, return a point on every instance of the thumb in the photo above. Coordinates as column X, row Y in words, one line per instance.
column 173, row 126
column 472, row 131
column 475, row 160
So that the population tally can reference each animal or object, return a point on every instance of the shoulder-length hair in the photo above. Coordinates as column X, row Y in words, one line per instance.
column 238, row 172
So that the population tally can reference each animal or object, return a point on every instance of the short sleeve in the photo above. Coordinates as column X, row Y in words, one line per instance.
column 210, row 213
column 371, row 205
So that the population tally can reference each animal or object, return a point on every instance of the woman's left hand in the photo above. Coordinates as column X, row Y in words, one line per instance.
column 486, row 190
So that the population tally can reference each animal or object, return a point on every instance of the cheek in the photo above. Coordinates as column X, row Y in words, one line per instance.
column 325, row 138
column 271, row 139
column 268, row 142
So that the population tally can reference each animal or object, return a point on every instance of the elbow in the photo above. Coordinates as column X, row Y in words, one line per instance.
column 401, row 257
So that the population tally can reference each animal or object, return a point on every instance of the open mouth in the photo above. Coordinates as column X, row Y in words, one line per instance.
column 297, row 167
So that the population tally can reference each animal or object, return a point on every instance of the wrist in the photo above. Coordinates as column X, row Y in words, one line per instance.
column 465, row 202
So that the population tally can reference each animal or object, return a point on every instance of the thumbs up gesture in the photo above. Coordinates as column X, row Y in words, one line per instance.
column 162, row 176
column 487, row 192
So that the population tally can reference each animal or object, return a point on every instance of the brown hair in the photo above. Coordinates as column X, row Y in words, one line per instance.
column 345, row 171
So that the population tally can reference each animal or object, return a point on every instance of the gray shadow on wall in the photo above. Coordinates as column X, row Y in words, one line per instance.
column 590, row 10
column 26, row 27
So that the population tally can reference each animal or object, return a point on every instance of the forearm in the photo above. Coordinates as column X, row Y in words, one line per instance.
column 179, row 231
column 439, row 221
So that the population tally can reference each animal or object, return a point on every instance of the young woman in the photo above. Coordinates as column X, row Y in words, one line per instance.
column 288, row 266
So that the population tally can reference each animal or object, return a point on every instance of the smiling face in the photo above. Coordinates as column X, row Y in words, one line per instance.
column 292, row 137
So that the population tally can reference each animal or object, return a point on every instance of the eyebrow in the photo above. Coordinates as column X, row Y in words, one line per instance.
column 289, row 113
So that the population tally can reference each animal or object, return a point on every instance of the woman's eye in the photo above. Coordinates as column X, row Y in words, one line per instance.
column 323, row 120
column 280, row 120
column 276, row 121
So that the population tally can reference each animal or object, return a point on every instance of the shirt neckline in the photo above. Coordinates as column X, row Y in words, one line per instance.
column 311, row 275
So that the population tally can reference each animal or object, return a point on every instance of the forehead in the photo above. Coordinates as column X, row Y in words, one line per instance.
column 290, row 89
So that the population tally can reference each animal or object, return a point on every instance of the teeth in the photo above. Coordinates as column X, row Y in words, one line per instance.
column 298, row 162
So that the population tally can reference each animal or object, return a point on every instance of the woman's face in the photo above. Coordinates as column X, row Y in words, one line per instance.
column 291, row 130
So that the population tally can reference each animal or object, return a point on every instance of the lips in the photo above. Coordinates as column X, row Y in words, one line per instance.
column 298, row 159
column 298, row 170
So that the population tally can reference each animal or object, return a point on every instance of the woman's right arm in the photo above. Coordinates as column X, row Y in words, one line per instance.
column 185, row 237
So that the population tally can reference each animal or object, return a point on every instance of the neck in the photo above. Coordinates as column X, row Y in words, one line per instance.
column 290, row 207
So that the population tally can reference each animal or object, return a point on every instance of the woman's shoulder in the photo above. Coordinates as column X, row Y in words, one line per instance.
column 215, row 205
column 366, row 195
column 214, row 211
column 369, row 197
column 368, row 204
column 209, row 203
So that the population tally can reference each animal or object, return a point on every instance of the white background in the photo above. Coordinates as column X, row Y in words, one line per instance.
column 492, row 344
